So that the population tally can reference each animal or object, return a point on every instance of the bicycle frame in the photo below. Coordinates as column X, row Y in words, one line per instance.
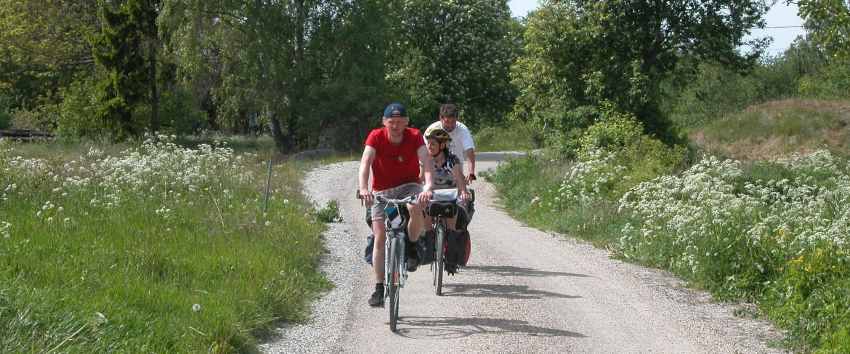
column 440, row 208
column 395, row 268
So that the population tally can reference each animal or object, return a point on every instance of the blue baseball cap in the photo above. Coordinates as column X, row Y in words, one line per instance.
column 395, row 110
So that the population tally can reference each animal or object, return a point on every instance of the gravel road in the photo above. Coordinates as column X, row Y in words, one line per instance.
column 524, row 291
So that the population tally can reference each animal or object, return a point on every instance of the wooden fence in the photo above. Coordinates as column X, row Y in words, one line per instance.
column 24, row 134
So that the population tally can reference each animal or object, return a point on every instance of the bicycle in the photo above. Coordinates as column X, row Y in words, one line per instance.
column 395, row 263
column 443, row 205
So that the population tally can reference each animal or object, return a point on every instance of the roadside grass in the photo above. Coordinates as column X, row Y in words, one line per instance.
column 150, row 248
column 776, row 233
column 239, row 143
column 528, row 189
column 512, row 137
column 779, row 128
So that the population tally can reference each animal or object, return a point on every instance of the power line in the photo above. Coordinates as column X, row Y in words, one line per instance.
column 772, row 27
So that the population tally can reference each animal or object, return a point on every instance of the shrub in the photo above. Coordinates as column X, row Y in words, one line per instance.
column 77, row 114
column 832, row 81
column 810, row 297
column 566, row 129
column 614, row 133
column 516, row 136
column 329, row 213
column 44, row 118
column 5, row 111
column 712, row 92
column 179, row 113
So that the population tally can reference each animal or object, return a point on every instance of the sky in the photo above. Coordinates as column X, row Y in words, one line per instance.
column 779, row 15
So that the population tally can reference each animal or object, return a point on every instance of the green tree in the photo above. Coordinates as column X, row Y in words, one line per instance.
column 125, row 52
column 588, row 53
column 828, row 21
column 42, row 48
column 455, row 51
column 291, row 65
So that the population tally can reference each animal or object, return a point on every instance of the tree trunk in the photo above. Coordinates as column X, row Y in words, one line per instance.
column 154, row 91
column 283, row 141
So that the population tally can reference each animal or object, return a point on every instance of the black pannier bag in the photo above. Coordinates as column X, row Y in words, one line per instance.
column 370, row 244
column 426, row 247
column 444, row 209
column 456, row 249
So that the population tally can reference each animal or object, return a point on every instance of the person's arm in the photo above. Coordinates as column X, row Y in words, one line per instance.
column 457, row 173
column 428, row 171
column 470, row 157
column 363, row 174
column 469, row 153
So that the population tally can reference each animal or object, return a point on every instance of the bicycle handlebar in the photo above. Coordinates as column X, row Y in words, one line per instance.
column 382, row 199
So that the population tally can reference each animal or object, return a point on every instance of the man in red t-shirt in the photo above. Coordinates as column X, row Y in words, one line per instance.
column 393, row 155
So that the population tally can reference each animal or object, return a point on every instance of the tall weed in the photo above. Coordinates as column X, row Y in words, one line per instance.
column 775, row 233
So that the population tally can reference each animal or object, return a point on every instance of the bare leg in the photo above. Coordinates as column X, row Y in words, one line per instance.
column 417, row 221
column 429, row 223
column 379, row 230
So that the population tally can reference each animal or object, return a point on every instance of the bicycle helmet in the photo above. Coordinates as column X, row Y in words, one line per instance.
column 438, row 134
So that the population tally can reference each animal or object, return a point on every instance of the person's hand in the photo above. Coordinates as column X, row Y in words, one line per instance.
column 465, row 196
column 365, row 197
column 470, row 177
column 424, row 197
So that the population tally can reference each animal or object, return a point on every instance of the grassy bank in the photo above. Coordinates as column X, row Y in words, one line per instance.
column 778, row 128
column 772, row 232
column 149, row 248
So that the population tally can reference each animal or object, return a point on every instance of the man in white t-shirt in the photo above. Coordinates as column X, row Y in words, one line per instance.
column 462, row 145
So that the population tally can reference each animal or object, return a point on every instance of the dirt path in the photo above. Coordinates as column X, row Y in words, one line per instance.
column 524, row 291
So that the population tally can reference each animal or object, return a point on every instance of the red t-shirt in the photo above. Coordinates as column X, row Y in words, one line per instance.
column 394, row 165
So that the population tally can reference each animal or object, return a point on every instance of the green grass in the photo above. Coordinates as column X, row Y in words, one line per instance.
column 778, row 128
column 772, row 233
column 211, row 274
column 239, row 143
column 513, row 137
column 526, row 182
column 800, row 123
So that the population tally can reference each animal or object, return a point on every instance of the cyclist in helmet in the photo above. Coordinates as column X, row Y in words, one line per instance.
column 447, row 166
column 448, row 174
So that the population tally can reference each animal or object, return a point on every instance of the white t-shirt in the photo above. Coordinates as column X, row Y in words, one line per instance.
column 461, row 139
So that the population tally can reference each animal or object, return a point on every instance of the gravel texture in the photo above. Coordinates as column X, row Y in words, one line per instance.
column 523, row 291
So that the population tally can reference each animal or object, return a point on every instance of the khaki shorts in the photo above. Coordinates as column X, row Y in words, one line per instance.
column 400, row 192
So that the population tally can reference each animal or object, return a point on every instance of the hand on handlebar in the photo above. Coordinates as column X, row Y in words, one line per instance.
column 424, row 197
column 465, row 196
column 365, row 197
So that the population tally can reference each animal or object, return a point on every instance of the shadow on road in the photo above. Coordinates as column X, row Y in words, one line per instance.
column 520, row 271
column 457, row 327
column 514, row 292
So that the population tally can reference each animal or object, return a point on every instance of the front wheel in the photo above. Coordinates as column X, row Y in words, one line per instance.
column 439, row 258
column 395, row 281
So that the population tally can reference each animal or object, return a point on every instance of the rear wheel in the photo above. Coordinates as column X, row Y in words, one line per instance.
column 395, row 275
column 439, row 258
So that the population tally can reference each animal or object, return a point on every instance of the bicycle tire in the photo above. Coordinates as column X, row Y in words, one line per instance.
column 439, row 258
column 395, row 272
